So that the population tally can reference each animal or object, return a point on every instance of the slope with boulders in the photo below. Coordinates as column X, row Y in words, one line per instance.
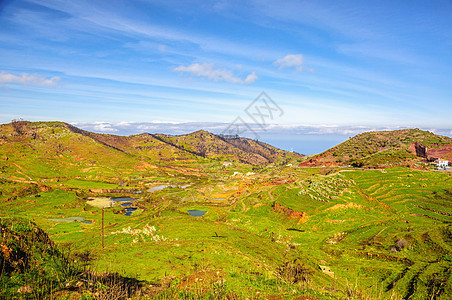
column 32, row 266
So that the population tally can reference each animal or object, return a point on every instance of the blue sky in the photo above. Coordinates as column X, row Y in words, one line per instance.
column 325, row 63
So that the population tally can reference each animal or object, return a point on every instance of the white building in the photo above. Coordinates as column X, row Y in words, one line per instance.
column 442, row 163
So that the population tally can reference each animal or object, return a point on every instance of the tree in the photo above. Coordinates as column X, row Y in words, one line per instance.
column 18, row 125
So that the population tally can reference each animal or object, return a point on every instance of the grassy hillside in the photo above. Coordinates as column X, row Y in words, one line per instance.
column 205, row 144
column 144, row 145
column 384, row 149
column 52, row 150
column 31, row 264
column 33, row 267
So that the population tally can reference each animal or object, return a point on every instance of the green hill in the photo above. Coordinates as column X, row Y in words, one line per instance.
column 54, row 149
column 385, row 149
column 205, row 144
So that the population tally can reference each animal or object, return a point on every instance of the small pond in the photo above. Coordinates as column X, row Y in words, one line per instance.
column 130, row 210
column 196, row 213
column 164, row 186
column 160, row 187
column 123, row 199
column 127, row 202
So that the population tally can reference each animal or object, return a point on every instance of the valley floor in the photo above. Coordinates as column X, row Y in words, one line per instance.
column 270, row 233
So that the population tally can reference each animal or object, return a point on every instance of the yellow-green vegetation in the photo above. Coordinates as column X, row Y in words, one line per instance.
column 33, row 267
column 270, row 231
column 31, row 264
column 384, row 149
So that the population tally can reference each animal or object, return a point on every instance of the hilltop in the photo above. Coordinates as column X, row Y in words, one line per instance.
column 406, row 147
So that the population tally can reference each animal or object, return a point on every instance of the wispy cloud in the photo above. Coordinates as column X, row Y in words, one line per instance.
column 290, row 61
column 209, row 71
column 29, row 79
column 380, row 51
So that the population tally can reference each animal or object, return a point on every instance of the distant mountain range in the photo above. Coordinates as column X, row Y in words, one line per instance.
column 46, row 148
column 46, row 138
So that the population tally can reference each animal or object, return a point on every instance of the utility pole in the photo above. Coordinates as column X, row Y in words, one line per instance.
column 218, row 226
column 102, row 227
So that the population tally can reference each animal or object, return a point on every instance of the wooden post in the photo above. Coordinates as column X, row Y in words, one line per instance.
column 218, row 226
column 102, row 227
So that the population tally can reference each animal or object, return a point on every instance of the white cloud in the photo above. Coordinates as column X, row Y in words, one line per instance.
column 104, row 127
column 208, row 71
column 251, row 78
column 289, row 61
column 28, row 79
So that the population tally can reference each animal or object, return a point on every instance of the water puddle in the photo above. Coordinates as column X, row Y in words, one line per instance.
column 159, row 187
column 196, row 213
column 123, row 199
column 164, row 186
column 130, row 210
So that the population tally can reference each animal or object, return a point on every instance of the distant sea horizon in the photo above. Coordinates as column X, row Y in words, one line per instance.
column 306, row 144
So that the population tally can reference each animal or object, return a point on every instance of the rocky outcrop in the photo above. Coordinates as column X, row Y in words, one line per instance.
column 418, row 149
column 289, row 212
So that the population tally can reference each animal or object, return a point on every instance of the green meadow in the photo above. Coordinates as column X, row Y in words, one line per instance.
column 380, row 233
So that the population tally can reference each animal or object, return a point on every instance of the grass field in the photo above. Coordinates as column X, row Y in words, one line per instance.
column 380, row 233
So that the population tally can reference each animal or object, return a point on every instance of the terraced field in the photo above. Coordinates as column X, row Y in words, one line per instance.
column 379, row 233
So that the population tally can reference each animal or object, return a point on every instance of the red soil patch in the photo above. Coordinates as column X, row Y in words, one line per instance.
column 430, row 153
column 313, row 161
column 293, row 214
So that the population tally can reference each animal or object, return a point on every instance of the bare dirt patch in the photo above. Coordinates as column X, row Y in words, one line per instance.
column 345, row 206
